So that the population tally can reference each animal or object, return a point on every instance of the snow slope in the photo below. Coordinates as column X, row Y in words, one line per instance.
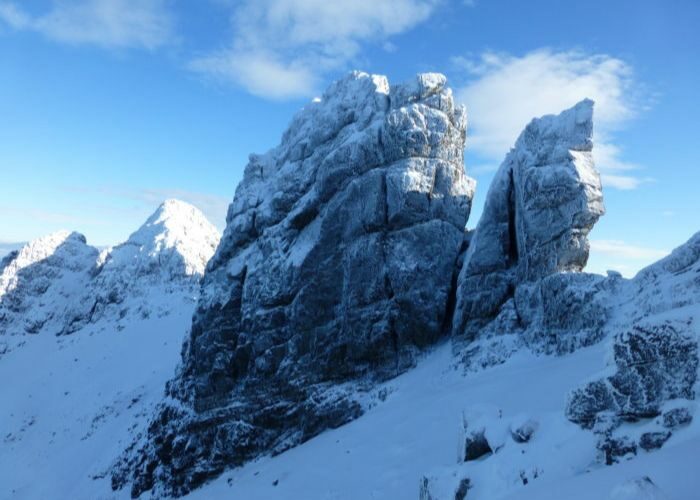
column 71, row 404
column 383, row 455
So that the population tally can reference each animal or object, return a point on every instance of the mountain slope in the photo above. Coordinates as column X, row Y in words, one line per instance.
column 113, row 324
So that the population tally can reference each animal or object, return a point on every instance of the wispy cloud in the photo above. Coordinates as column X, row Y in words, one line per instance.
column 282, row 48
column 621, row 256
column 213, row 206
column 617, row 248
column 105, row 23
column 504, row 92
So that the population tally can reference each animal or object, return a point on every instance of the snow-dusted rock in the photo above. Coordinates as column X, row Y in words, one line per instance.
column 38, row 281
column 641, row 488
column 542, row 203
column 655, row 363
column 336, row 265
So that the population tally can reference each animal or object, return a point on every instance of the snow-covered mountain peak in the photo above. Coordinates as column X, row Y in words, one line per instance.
column 36, row 279
column 175, row 240
column 62, row 249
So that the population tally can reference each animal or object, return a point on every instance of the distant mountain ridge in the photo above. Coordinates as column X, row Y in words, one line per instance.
column 57, row 284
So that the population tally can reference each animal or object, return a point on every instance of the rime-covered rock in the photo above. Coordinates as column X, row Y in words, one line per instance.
column 655, row 363
column 563, row 311
column 336, row 265
column 542, row 203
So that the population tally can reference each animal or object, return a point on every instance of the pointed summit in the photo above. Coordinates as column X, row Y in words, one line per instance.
column 177, row 240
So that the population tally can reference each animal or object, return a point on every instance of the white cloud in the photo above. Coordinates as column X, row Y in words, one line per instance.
column 617, row 248
column 105, row 23
column 621, row 256
column 282, row 48
column 504, row 92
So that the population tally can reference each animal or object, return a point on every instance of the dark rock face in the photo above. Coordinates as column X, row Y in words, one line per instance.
column 476, row 446
column 655, row 363
column 653, row 440
column 677, row 417
column 615, row 449
column 541, row 205
column 336, row 265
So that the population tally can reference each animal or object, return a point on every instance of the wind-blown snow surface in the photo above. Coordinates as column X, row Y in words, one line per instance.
column 71, row 404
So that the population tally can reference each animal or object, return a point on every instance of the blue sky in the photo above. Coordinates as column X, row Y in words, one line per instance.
column 110, row 106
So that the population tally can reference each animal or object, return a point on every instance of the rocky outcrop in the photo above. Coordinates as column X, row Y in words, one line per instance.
column 542, row 203
column 655, row 363
column 336, row 265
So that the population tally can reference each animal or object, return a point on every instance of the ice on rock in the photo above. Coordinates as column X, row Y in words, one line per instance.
column 336, row 265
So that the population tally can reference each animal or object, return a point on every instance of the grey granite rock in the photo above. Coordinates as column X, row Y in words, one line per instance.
column 542, row 203
column 336, row 265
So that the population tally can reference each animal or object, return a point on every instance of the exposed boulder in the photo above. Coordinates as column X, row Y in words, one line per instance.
column 336, row 265
column 476, row 445
column 615, row 449
column 653, row 440
column 542, row 203
column 523, row 431
column 676, row 417
column 655, row 363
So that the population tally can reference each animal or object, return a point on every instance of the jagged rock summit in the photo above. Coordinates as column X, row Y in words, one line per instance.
column 541, row 205
column 336, row 265
column 166, row 255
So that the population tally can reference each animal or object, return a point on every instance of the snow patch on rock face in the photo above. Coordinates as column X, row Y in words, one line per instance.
column 540, row 207
column 336, row 265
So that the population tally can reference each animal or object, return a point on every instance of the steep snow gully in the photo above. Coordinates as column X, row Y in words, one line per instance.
column 348, row 338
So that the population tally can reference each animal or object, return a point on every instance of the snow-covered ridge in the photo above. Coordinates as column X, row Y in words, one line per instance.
column 57, row 284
